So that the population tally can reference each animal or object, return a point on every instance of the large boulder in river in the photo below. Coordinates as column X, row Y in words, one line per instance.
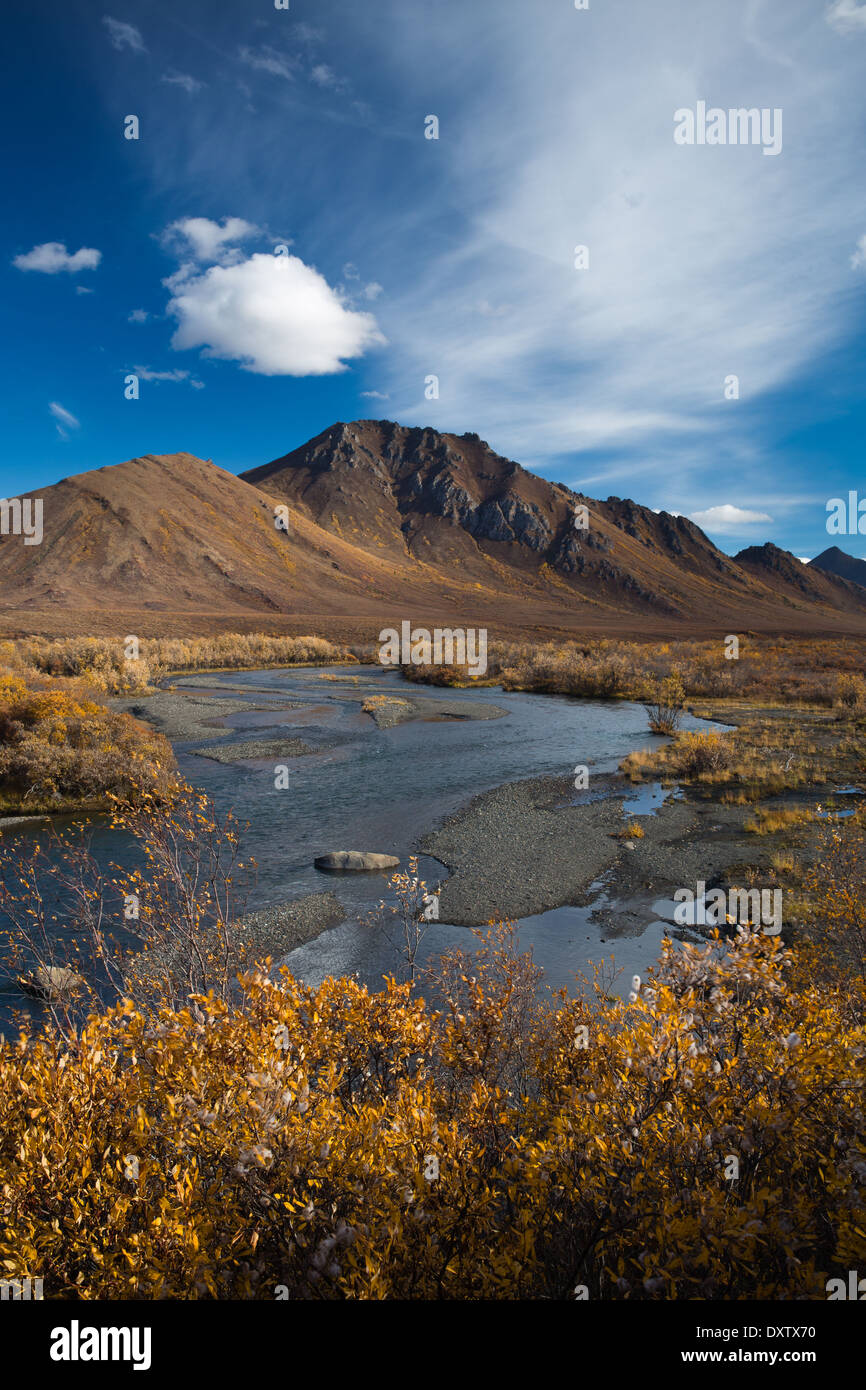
column 355, row 861
column 50, row 982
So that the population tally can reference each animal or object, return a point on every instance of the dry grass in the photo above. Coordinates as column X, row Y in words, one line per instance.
column 769, row 820
column 106, row 665
column 380, row 702
column 764, row 757
column 769, row 670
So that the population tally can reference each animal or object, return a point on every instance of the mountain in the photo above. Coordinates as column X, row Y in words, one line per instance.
column 794, row 580
column 169, row 534
column 387, row 523
column 425, row 499
column 836, row 561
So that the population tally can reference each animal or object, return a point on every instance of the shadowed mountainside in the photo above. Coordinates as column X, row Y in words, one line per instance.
column 835, row 561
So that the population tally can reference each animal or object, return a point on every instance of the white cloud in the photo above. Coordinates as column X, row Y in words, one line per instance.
column 183, row 79
column 846, row 15
column 124, row 35
column 273, row 314
column 52, row 257
column 375, row 395
column 323, row 76
column 267, row 59
column 805, row 559
column 859, row 257
column 139, row 316
column 176, row 374
column 727, row 518
column 205, row 240
column 65, row 419
column 83, row 289
column 373, row 290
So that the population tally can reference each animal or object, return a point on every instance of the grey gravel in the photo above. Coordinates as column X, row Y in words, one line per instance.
column 275, row 931
column 256, row 748
column 182, row 717
column 402, row 708
column 521, row 849
column 269, row 932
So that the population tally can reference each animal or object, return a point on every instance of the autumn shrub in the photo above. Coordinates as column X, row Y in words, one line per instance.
column 60, row 749
column 851, row 691
column 664, row 704
column 115, row 666
column 697, row 756
column 702, row 1141
column 632, row 831
column 836, row 882
column 168, row 925
column 768, row 669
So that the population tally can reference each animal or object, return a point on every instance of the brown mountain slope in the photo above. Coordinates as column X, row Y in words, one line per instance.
column 794, row 580
column 446, row 502
column 386, row 523
column 173, row 532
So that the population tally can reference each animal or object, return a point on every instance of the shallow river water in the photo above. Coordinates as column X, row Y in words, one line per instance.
column 382, row 789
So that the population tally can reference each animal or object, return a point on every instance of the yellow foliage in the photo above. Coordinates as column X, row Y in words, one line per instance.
column 60, row 749
column 343, row 1143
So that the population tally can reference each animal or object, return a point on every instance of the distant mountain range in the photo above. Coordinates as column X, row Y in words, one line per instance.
column 384, row 523
column 835, row 561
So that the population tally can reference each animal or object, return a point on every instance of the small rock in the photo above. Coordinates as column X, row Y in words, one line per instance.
column 50, row 982
column 355, row 861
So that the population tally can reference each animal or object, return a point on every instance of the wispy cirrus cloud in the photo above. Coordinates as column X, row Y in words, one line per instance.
column 324, row 76
column 123, row 35
column 847, row 16
column 64, row 419
column 703, row 262
column 176, row 374
column 192, row 85
column 270, row 60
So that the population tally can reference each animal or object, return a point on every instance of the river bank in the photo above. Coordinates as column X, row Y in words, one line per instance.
column 523, row 847
column 527, row 847
column 480, row 787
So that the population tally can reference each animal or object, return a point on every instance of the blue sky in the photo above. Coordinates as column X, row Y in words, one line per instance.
column 405, row 257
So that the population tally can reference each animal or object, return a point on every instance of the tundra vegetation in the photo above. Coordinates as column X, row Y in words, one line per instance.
column 103, row 664
column 798, row 708
column 183, row 1131
column 771, row 671
column 192, row 1123
column 61, row 749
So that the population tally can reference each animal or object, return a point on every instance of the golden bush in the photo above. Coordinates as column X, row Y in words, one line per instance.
column 701, row 1141
column 59, row 748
